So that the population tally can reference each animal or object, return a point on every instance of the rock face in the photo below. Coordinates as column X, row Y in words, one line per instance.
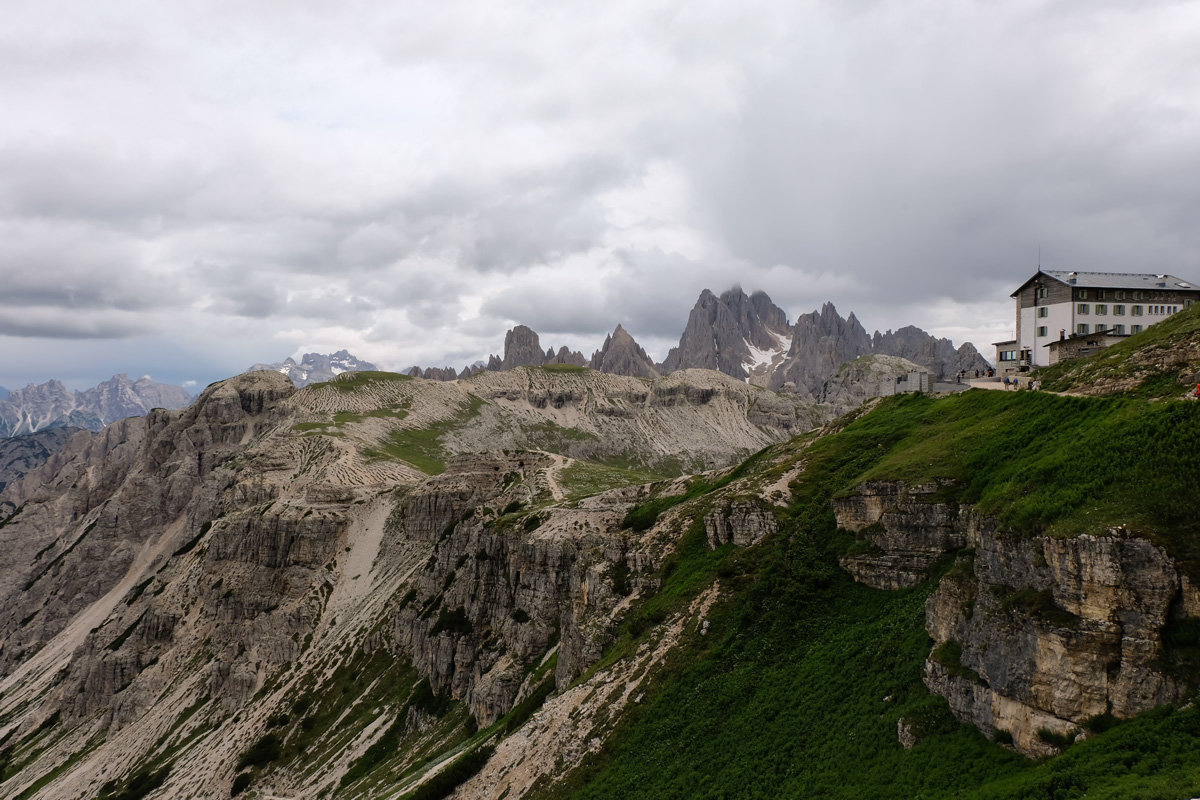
column 937, row 355
column 316, row 367
column 733, row 333
column 174, row 583
column 1033, row 636
column 51, row 404
column 862, row 379
column 821, row 342
column 22, row 453
column 621, row 355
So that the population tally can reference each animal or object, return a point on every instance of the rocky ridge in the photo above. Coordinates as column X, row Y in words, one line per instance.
column 51, row 404
column 748, row 338
column 278, row 545
column 22, row 453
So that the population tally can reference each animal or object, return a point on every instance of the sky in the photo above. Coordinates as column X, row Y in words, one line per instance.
column 187, row 189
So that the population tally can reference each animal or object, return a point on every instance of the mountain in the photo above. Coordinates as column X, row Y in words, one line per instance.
column 317, row 367
column 3, row 393
column 621, row 355
column 553, row 581
column 523, row 348
column 20, row 454
column 734, row 334
column 51, row 404
column 750, row 338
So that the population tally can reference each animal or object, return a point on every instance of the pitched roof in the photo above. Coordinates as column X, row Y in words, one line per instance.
column 1119, row 280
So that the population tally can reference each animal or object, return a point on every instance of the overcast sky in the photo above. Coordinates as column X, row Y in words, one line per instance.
column 189, row 188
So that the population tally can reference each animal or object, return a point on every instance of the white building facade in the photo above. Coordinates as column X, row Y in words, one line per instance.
column 1054, row 305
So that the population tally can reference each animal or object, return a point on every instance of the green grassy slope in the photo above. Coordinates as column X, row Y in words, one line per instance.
column 797, row 688
column 1155, row 363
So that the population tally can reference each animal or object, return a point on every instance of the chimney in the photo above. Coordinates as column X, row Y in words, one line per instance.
column 1062, row 334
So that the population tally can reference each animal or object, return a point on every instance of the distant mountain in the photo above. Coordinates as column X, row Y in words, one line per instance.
column 3, row 393
column 735, row 334
column 317, row 367
column 28, row 451
column 747, row 337
column 621, row 355
column 52, row 405
column 750, row 338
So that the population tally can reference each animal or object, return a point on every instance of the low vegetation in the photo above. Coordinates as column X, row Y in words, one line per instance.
column 1148, row 364
column 799, row 684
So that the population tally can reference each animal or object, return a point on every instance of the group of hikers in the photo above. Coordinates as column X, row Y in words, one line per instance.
column 1015, row 383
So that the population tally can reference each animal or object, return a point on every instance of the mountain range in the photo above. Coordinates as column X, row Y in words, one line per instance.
column 747, row 337
column 317, row 367
column 554, row 581
column 51, row 404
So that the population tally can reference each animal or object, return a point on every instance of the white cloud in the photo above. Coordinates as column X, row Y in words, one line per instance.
column 240, row 181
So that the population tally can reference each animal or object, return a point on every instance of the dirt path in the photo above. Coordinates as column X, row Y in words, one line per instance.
column 552, row 473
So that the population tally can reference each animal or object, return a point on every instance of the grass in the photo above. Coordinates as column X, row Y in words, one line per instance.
column 353, row 381
column 1155, row 379
column 582, row 478
column 797, row 689
column 570, row 368
column 422, row 447
column 1044, row 463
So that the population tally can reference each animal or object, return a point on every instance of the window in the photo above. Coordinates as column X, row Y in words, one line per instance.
column 1081, row 294
column 1043, row 311
column 1082, row 308
column 1101, row 328
column 1008, row 355
column 1187, row 303
column 1041, row 331
column 1081, row 328
column 1101, row 308
column 1135, row 328
column 1120, row 295
column 1135, row 310
column 1137, row 295
column 1100, row 293
column 1042, row 291
column 1119, row 310
column 1119, row 330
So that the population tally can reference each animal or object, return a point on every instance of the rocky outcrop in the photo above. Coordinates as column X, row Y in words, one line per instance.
column 52, row 405
column 621, row 355
column 1033, row 637
column 937, row 355
column 743, row 522
column 902, row 532
column 862, row 379
column 20, row 454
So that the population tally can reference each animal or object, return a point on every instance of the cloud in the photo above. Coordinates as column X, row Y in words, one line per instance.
column 244, row 180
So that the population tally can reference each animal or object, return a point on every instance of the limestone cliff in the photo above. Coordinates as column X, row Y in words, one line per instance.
column 176, row 587
column 1033, row 636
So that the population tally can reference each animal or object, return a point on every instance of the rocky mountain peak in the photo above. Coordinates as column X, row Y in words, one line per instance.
column 733, row 333
column 522, row 348
column 621, row 355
